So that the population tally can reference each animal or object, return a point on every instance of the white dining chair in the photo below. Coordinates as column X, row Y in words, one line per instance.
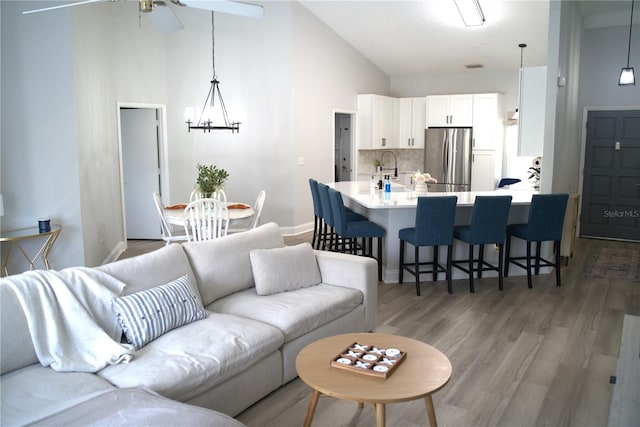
column 217, row 195
column 206, row 219
column 167, row 232
column 253, row 221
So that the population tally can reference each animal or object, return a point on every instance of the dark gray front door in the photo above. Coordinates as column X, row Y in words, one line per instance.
column 611, row 186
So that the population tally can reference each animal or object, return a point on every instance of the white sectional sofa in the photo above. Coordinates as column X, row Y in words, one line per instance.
column 257, row 319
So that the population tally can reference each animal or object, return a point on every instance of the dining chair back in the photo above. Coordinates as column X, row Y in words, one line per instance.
column 546, row 218
column 318, row 220
column 206, row 219
column 166, row 230
column 257, row 208
column 217, row 195
column 488, row 226
column 349, row 231
column 434, row 221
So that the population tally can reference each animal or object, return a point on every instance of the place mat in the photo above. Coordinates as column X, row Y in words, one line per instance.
column 616, row 264
column 238, row 206
column 179, row 206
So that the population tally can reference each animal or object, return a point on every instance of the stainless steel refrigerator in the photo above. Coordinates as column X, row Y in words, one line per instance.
column 447, row 157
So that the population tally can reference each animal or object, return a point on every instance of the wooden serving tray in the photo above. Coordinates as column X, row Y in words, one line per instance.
column 370, row 360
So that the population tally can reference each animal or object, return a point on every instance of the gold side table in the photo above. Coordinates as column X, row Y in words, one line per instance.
column 15, row 237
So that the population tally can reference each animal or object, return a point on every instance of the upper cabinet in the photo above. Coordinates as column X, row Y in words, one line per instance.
column 449, row 110
column 488, row 126
column 532, row 111
column 412, row 122
column 377, row 115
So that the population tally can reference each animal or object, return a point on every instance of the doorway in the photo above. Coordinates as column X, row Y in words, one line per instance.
column 611, row 177
column 343, row 144
column 141, row 134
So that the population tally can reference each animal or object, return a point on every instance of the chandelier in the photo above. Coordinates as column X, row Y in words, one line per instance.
column 205, row 121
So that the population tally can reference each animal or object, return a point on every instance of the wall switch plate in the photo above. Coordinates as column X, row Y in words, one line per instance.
column 300, row 161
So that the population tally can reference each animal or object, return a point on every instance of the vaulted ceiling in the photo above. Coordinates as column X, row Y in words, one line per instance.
column 408, row 37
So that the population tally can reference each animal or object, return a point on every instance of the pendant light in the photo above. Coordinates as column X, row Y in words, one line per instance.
column 205, row 122
column 627, row 76
column 516, row 115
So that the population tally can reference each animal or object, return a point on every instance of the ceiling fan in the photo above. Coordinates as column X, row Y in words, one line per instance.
column 163, row 17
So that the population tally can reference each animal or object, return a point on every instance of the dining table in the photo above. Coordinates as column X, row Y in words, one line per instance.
column 238, row 213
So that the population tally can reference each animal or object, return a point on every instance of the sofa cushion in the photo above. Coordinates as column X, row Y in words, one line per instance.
column 295, row 313
column 136, row 407
column 151, row 269
column 187, row 361
column 34, row 392
column 146, row 315
column 284, row 269
column 222, row 266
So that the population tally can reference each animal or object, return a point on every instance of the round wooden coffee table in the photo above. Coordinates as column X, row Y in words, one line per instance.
column 424, row 371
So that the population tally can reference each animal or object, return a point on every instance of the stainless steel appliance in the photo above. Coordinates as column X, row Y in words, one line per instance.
column 447, row 157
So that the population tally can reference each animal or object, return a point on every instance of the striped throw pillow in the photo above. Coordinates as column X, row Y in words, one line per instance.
column 146, row 315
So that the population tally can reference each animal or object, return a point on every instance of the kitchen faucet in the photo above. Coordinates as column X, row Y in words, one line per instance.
column 395, row 160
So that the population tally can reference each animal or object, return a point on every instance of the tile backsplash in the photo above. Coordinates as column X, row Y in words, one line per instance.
column 409, row 161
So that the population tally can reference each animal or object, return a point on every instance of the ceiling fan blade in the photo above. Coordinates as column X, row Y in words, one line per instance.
column 165, row 20
column 227, row 6
column 78, row 3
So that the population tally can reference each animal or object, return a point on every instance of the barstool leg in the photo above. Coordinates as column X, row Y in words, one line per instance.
column 315, row 232
column 538, row 244
column 449, row 257
column 500, row 266
column 508, row 256
column 435, row 263
column 480, row 261
column 556, row 248
column 401, row 269
column 472, row 288
column 380, row 259
column 417, row 268
column 529, row 282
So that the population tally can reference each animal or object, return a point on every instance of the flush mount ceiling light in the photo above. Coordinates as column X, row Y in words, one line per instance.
column 206, row 120
column 627, row 76
column 516, row 115
column 471, row 12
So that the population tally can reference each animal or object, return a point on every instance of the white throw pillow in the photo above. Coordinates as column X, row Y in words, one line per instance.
column 146, row 315
column 284, row 269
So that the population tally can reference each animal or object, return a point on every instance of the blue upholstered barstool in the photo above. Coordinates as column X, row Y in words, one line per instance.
column 488, row 226
column 435, row 217
column 318, row 220
column 366, row 230
column 546, row 217
column 330, row 240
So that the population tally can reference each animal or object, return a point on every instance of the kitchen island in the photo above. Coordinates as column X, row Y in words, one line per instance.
column 397, row 210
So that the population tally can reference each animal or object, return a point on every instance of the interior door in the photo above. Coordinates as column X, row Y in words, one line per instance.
column 611, row 184
column 140, row 169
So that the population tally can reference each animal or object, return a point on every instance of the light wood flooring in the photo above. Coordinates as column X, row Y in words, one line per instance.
column 520, row 357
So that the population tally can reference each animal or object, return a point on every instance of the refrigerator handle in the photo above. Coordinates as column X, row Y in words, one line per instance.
column 445, row 158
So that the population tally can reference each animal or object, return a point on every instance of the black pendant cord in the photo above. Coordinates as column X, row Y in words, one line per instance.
column 630, row 28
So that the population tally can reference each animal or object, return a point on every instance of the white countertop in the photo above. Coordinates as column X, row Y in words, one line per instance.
column 404, row 197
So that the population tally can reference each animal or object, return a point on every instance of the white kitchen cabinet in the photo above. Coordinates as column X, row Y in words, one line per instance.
column 488, row 121
column 483, row 170
column 412, row 122
column 449, row 110
column 376, row 120
column 532, row 111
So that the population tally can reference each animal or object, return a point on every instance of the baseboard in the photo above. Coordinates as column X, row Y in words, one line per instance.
column 298, row 229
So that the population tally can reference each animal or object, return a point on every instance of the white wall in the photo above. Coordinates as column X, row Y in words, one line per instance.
column 40, row 176
column 281, row 76
column 328, row 75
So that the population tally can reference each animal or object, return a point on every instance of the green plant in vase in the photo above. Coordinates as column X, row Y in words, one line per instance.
column 210, row 179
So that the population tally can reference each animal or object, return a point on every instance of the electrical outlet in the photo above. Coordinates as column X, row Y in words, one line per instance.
column 300, row 161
